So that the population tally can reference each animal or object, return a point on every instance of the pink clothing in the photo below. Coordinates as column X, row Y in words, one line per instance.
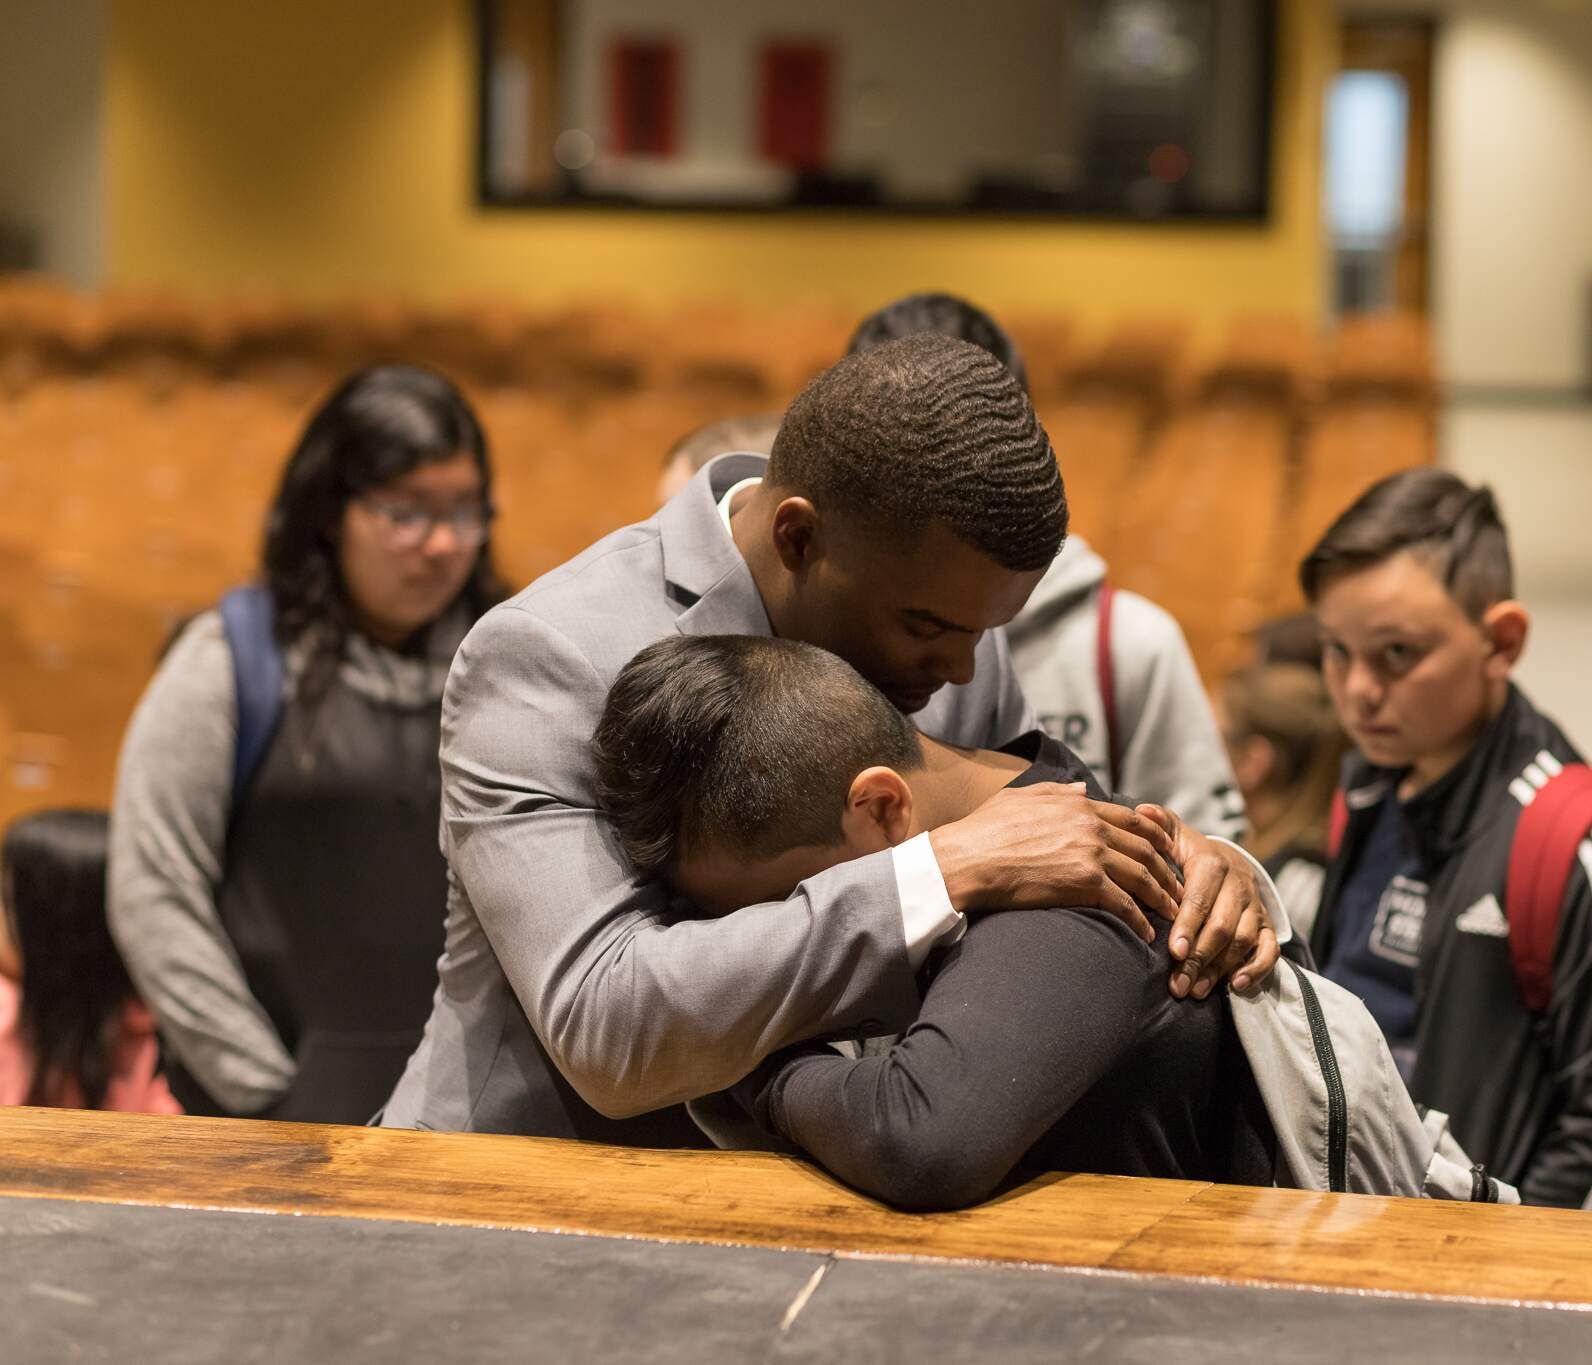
column 134, row 1087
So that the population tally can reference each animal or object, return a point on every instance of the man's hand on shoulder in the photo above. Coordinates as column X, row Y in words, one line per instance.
column 1221, row 929
column 1048, row 845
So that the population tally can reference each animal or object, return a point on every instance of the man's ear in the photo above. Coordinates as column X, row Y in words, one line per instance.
column 878, row 811
column 1506, row 625
column 795, row 531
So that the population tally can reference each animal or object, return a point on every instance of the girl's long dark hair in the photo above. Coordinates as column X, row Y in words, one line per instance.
column 74, row 986
column 378, row 425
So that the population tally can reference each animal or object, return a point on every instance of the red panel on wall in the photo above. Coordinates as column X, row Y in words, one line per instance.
column 645, row 90
column 795, row 99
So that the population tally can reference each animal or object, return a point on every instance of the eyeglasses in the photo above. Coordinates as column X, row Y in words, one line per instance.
column 408, row 526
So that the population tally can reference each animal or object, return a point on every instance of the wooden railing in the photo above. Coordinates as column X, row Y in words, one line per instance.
column 1231, row 1234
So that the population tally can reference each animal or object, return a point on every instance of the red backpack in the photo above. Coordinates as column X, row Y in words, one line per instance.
column 1552, row 825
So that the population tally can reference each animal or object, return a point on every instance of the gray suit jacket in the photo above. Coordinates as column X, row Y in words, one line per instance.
column 555, row 949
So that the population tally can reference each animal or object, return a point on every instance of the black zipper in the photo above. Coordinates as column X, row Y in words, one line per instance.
column 1337, row 1101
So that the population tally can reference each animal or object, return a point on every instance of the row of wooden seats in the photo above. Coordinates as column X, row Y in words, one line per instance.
column 754, row 357
column 1203, row 489
column 122, row 511
column 164, row 342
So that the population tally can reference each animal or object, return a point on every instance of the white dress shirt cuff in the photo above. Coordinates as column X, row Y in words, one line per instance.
column 1276, row 911
column 927, row 916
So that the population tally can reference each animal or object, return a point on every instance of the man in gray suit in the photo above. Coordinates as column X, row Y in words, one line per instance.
column 911, row 503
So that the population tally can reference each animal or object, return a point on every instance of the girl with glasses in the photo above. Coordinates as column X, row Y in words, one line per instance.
column 275, row 882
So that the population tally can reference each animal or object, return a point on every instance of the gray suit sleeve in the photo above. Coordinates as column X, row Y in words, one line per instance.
column 1172, row 751
column 637, row 1006
column 168, row 837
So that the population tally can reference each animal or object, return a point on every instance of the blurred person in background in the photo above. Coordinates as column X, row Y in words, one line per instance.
column 754, row 433
column 1108, row 672
column 275, row 881
column 73, row 1034
column 1291, row 639
column 1287, row 750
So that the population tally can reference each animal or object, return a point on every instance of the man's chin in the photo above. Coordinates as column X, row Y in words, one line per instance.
column 910, row 703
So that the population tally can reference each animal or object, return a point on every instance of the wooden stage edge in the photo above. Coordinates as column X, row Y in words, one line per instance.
column 1183, row 1229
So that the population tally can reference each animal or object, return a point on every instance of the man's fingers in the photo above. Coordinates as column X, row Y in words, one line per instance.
column 1202, row 882
column 1142, row 852
column 1139, row 882
column 1159, row 814
column 1138, row 823
column 1224, row 927
column 1214, row 938
column 1115, row 901
column 1244, row 941
column 1261, row 963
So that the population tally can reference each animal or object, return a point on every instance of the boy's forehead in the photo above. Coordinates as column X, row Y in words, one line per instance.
column 1403, row 590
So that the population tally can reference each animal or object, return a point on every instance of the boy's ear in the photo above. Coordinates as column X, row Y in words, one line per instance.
column 1506, row 625
column 878, row 811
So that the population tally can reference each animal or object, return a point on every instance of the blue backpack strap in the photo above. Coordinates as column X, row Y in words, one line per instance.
column 248, row 616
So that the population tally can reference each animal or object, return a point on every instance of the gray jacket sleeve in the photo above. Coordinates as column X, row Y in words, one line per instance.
column 1172, row 751
column 637, row 1005
column 168, row 838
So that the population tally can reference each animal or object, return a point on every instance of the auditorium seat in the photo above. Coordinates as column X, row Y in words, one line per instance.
column 1199, row 533
column 1048, row 347
column 133, row 492
column 1383, row 353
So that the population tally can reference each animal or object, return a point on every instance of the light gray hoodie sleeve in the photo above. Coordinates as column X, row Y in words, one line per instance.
column 1172, row 751
column 168, row 840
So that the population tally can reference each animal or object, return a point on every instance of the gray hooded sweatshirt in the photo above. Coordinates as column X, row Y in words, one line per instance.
column 168, row 852
column 1171, row 750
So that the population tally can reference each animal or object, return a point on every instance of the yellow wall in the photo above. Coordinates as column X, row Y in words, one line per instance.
column 329, row 148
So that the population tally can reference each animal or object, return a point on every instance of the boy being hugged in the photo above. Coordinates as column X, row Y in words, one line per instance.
column 1432, row 871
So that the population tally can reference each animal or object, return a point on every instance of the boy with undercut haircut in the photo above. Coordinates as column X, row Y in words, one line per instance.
column 1456, row 902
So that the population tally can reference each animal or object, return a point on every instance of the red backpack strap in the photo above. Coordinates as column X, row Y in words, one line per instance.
column 1543, row 854
column 1337, row 823
column 1106, row 676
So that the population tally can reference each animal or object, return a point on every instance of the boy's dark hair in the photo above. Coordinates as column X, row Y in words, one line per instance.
column 739, row 742
column 928, row 429
column 74, row 986
column 1453, row 528
column 943, row 313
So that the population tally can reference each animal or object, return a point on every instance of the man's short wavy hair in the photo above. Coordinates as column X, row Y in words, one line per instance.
column 921, row 430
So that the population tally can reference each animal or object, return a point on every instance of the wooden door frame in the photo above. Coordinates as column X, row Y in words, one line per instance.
column 1404, row 46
